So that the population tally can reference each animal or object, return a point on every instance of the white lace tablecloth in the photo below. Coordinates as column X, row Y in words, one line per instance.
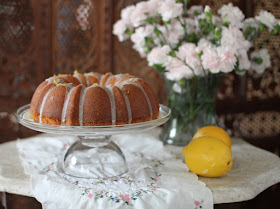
column 156, row 179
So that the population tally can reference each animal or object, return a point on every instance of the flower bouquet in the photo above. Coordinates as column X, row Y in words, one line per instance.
column 192, row 49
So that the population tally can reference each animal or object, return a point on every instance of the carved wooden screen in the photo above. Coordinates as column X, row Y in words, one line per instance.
column 25, row 58
column 82, row 36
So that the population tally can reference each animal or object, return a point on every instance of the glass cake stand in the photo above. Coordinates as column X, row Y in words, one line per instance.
column 94, row 155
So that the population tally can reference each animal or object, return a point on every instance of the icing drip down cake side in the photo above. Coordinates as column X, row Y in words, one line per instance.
column 93, row 99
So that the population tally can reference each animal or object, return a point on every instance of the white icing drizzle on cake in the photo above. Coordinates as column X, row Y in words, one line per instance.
column 108, row 79
column 78, row 78
column 109, row 90
column 65, row 105
column 87, row 80
column 81, row 105
column 128, row 106
column 44, row 102
column 147, row 98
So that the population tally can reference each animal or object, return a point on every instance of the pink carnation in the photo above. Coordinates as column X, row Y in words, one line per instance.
column 210, row 59
column 218, row 59
column 227, row 59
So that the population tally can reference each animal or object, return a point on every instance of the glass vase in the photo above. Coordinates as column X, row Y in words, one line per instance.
column 192, row 102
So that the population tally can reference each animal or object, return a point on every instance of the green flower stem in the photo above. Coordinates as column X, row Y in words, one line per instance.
column 187, row 65
column 192, row 107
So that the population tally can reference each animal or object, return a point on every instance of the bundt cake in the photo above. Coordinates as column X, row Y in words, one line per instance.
column 93, row 99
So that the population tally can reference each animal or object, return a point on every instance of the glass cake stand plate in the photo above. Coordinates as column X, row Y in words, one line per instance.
column 94, row 155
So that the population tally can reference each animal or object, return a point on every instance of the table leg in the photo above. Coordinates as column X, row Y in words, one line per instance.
column 3, row 200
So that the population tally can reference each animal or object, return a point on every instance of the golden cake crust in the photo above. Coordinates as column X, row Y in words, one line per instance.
column 93, row 99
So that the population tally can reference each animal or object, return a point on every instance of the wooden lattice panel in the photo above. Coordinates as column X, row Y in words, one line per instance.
column 267, row 85
column 82, row 34
column 24, row 46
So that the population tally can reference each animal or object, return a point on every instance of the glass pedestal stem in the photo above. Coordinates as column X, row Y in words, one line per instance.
column 94, row 157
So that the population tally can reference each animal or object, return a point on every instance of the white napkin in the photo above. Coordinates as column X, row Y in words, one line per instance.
column 156, row 179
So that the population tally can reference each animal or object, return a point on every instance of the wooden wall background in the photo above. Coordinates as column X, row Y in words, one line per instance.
column 39, row 38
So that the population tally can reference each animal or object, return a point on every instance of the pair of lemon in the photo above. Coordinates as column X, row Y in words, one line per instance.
column 209, row 152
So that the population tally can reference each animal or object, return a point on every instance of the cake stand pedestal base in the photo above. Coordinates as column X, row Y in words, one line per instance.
column 94, row 157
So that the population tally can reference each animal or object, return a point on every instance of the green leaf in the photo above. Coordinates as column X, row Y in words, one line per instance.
column 196, row 13
column 128, row 32
column 167, row 22
column 257, row 60
column 200, row 54
column 149, row 40
column 275, row 30
column 157, row 31
column 151, row 20
column 208, row 16
column 182, row 82
column 159, row 68
column 225, row 23
column 218, row 33
column 262, row 27
column 147, row 49
column 172, row 54
column 202, row 22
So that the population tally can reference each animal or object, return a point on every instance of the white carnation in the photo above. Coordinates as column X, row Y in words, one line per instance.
column 267, row 19
column 217, row 21
column 250, row 22
column 188, row 54
column 233, row 39
column 195, row 9
column 207, row 9
column 202, row 44
column 138, row 38
column 153, row 7
column 169, row 9
column 191, row 25
column 140, row 14
column 177, row 88
column 159, row 55
column 178, row 70
column 210, row 59
column 140, row 50
column 174, row 34
column 127, row 12
column 264, row 57
column 232, row 14
column 119, row 30
column 186, row 50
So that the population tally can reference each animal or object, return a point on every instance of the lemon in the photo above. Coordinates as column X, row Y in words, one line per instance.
column 208, row 156
column 214, row 131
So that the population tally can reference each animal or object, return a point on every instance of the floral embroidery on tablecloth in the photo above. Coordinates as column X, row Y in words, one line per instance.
column 198, row 204
column 126, row 198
